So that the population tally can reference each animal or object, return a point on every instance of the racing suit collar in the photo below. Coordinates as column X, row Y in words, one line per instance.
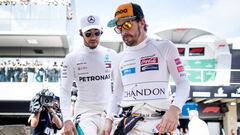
column 87, row 49
column 139, row 46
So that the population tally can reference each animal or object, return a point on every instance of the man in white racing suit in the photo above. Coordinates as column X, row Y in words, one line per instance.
column 141, row 78
column 90, row 67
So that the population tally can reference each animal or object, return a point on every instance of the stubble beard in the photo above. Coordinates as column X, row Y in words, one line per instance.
column 132, row 40
column 128, row 40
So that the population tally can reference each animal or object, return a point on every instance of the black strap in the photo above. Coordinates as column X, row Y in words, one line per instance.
column 120, row 127
column 126, row 124
column 130, row 122
column 126, row 111
column 161, row 112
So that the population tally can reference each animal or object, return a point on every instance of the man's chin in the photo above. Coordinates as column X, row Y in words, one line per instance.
column 92, row 46
column 128, row 42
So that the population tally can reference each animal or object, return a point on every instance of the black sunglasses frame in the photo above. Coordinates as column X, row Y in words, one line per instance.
column 89, row 34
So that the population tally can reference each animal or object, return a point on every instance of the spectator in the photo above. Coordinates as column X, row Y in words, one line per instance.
column 196, row 126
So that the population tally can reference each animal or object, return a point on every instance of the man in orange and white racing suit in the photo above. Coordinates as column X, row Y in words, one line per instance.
column 141, row 78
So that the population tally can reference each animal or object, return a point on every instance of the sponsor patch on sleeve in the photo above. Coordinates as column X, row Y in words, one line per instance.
column 108, row 65
column 180, row 68
column 64, row 72
column 177, row 61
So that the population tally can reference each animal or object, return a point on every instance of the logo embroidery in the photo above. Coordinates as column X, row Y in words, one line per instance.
column 149, row 67
column 128, row 71
column 91, row 19
column 121, row 11
column 180, row 68
column 178, row 61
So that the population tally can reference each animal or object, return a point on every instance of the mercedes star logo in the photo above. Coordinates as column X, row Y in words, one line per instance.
column 91, row 19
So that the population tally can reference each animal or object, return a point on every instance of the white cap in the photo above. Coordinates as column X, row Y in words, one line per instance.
column 90, row 22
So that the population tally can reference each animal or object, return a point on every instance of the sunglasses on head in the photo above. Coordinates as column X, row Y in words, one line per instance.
column 89, row 34
column 126, row 26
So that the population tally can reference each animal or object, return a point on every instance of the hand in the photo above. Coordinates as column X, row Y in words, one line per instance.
column 107, row 127
column 169, row 120
column 69, row 128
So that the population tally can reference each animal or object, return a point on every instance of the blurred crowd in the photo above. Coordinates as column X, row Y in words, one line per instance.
column 30, row 70
column 26, row 2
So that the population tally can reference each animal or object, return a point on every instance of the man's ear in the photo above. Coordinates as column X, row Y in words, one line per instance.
column 80, row 32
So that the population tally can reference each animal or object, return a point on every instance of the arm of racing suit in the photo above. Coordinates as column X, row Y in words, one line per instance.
column 176, row 69
column 67, row 77
column 116, row 97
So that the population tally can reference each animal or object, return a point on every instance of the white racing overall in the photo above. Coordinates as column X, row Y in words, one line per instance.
column 91, row 69
column 141, row 79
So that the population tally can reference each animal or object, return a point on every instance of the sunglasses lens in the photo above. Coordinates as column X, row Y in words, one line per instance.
column 127, row 25
column 88, row 34
column 97, row 33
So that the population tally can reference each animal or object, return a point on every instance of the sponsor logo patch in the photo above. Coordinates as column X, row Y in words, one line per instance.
column 81, row 63
column 149, row 67
column 128, row 71
column 108, row 65
column 84, row 73
column 180, row 68
column 153, row 60
column 107, row 61
column 144, row 92
column 178, row 61
column 82, row 68
column 94, row 78
column 107, row 58
column 183, row 75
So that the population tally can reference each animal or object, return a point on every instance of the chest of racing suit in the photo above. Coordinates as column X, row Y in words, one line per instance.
column 145, row 71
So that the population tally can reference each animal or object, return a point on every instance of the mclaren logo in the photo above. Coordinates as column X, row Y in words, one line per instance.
column 94, row 78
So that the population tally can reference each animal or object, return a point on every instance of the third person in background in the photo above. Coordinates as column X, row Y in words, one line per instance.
column 141, row 78
column 46, row 118
column 196, row 126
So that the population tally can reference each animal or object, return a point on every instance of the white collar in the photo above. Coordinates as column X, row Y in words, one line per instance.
column 87, row 49
column 139, row 46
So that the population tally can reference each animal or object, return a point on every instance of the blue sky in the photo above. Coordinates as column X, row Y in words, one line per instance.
column 221, row 17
